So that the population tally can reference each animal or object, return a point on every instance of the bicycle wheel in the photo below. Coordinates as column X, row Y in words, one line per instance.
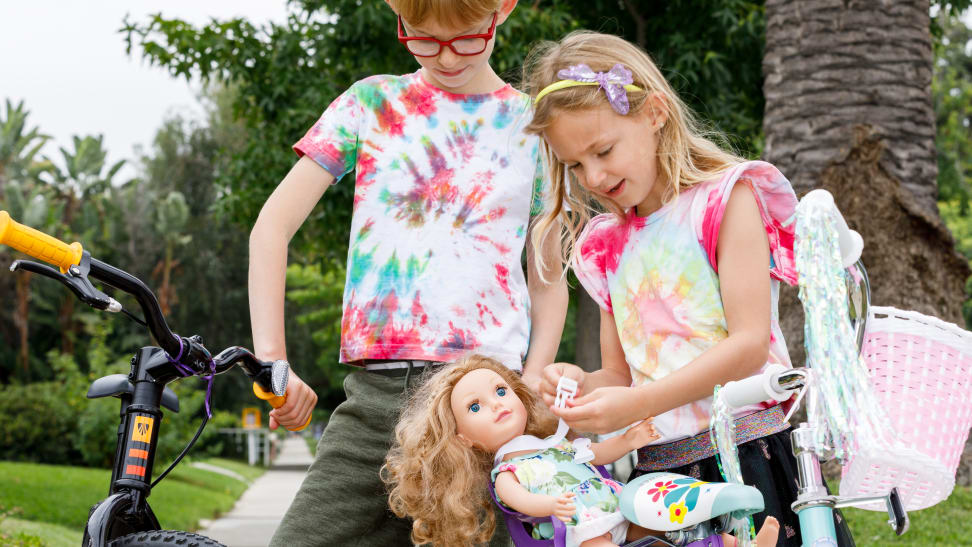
column 164, row 538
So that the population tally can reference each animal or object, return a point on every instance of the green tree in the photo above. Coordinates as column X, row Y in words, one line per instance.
column 29, row 205
column 952, row 97
column 19, row 146
column 20, row 167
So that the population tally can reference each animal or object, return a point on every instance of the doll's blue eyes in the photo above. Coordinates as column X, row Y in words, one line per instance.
column 501, row 391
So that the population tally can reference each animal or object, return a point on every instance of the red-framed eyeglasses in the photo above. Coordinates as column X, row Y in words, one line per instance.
column 466, row 45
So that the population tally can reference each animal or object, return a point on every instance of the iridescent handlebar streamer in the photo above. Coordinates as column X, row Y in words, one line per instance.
column 842, row 407
column 722, row 433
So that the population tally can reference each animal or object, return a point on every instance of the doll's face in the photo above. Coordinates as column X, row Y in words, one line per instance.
column 488, row 413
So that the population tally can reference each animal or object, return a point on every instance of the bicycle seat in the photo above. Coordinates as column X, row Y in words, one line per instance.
column 669, row 501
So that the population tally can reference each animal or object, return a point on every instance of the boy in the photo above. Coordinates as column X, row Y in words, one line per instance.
column 446, row 184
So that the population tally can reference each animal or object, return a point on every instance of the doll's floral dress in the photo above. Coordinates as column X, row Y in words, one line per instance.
column 553, row 472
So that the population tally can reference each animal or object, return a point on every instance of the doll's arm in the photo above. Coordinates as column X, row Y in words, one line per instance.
column 514, row 495
column 613, row 449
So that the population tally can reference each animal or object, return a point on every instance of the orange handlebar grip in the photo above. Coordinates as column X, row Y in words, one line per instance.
column 38, row 244
column 276, row 401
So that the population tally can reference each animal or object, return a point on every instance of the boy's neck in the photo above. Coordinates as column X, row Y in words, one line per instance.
column 487, row 81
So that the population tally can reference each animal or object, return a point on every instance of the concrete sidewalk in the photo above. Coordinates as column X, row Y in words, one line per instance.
column 258, row 512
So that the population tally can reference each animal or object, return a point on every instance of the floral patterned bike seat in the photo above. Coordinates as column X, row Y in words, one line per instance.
column 669, row 501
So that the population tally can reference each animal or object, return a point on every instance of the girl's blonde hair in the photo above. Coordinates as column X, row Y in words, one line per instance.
column 435, row 479
column 448, row 12
column 685, row 154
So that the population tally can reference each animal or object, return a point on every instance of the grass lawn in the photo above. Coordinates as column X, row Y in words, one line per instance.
column 947, row 523
column 61, row 496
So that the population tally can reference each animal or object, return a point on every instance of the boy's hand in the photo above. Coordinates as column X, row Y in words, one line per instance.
column 641, row 434
column 301, row 400
column 551, row 375
column 562, row 506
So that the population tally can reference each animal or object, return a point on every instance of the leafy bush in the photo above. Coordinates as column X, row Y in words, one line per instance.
column 37, row 425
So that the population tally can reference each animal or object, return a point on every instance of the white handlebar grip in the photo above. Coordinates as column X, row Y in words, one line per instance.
column 851, row 243
column 755, row 389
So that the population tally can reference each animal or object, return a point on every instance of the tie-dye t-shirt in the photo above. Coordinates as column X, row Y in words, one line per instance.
column 444, row 192
column 658, row 276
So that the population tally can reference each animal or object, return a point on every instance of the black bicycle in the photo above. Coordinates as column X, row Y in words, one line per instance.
column 125, row 518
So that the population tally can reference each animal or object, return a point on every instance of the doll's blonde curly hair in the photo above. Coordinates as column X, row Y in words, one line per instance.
column 435, row 479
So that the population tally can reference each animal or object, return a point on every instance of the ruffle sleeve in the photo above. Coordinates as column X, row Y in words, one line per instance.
column 777, row 204
column 598, row 250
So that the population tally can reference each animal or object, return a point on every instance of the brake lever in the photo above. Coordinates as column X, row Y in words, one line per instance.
column 76, row 279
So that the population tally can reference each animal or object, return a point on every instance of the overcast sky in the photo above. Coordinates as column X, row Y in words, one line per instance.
column 67, row 62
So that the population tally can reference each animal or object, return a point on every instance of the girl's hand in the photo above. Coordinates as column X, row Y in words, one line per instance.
column 562, row 506
column 604, row 410
column 551, row 375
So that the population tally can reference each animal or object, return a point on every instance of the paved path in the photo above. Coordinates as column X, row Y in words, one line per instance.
column 257, row 513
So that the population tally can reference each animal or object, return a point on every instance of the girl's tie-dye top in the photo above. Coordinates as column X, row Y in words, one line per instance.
column 445, row 186
column 658, row 276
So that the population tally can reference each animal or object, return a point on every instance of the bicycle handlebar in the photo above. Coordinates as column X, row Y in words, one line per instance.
column 775, row 383
column 76, row 263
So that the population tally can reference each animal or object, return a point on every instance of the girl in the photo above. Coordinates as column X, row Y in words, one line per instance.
column 444, row 453
column 685, row 266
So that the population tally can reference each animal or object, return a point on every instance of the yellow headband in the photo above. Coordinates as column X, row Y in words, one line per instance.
column 561, row 84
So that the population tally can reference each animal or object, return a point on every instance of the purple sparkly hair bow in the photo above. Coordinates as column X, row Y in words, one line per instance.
column 613, row 82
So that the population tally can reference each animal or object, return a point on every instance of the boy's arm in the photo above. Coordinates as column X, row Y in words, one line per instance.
column 281, row 216
column 548, row 307
column 515, row 496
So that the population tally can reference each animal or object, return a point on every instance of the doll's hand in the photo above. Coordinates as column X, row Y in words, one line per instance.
column 641, row 434
column 551, row 375
column 562, row 506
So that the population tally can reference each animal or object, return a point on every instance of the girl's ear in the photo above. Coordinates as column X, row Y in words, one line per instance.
column 656, row 111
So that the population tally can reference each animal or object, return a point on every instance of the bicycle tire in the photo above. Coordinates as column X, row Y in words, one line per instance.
column 164, row 538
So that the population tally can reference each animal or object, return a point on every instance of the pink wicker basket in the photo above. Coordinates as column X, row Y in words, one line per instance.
column 921, row 370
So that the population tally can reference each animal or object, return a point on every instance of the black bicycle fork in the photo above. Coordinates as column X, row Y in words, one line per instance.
column 126, row 510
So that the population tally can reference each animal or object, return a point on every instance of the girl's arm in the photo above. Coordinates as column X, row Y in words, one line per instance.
column 280, row 218
column 548, row 308
column 611, row 450
column 743, row 257
column 514, row 495
column 614, row 369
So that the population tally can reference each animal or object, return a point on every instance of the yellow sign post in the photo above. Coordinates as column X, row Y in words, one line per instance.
column 251, row 417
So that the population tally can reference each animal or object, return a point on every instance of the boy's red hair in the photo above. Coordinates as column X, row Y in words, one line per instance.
column 456, row 13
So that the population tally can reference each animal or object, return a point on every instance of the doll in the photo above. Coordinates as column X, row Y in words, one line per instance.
column 443, row 454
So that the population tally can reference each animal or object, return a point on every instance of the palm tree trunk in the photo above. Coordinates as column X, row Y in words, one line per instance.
column 21, row 320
